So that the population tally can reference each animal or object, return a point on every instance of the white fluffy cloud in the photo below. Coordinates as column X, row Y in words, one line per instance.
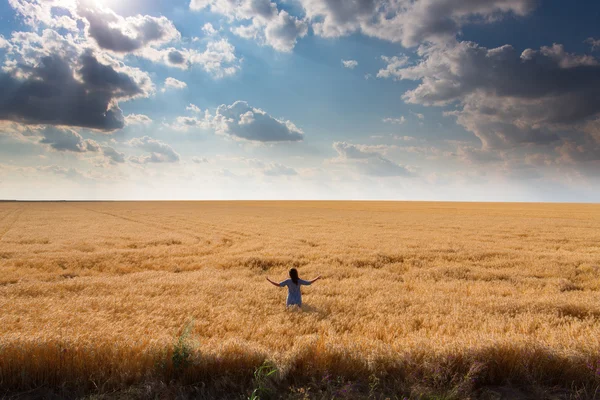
column 174, row 83
column 406, row 21
column 351, row 64
column 160, row 152
column 56, row 14
column 261, row 19
column 91, row 26
column 369, row 160
column 137, row 119
column 125, row 35
column 396, row 121
column 242, row 121
column 193, row 108
column 394, row 65
column 185, row 124
column 218, row 58
column 209, row 29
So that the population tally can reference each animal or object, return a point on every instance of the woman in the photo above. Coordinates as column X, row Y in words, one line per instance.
column 294, row 297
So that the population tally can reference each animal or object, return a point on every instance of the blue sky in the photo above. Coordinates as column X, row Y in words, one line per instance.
column 495, row 100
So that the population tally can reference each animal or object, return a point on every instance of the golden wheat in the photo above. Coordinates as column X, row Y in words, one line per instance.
column 98, row 292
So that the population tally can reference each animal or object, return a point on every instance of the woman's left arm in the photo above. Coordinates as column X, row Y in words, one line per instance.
column 316, row 279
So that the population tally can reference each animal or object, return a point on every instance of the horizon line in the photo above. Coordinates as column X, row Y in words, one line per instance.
column 289, row 200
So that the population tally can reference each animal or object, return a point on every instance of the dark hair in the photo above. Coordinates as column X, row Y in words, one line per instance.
column 294, row 275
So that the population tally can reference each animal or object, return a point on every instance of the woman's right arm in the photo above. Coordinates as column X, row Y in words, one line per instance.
column 273, row 283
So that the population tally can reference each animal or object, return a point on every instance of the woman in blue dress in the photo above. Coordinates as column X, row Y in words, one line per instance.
column 294, row 297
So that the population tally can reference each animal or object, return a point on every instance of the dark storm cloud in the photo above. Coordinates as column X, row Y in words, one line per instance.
column 51, row 94
column 505, row 97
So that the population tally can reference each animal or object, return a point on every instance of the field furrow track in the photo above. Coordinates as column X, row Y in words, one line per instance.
column 161, row 227
column 214, row 229
column 7, row 222
column 8, row 214
column 238, row 234
column 217, row 229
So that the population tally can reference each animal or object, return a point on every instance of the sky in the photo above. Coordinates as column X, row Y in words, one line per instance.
column 457, row 100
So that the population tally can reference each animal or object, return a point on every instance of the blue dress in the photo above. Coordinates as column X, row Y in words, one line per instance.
column 294, row 297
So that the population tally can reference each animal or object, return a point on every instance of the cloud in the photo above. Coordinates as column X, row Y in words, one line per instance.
column 429, row 151
column 71, row 173
column 125, row 35
column 184, row 123
column 218, row 58
column 521, row 171
column 264, row 22
column 509, row 99
column 64, row 139
column 404, row 138
column 410, row 23
column 283, row 31
column 49, row 80
column 420, row 116
column 4, row 44
column 199, row 160
column 351, row 64
column 137, row 119
column 160, row 152
column 369, row 160
column 473, row 155
column 267, row 169
column 395, row 121
column 394, row 65
column 114, row 156
column 52, row 13
column 175, row 57
column 174, row 84
column 153, row 38
column 595, row 43
column 208, row 29
column 242, row 121
column 582, row 150
column 193, row 108
column 276, row 169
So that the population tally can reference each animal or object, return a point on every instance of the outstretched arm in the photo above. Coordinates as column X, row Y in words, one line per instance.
column 273, row 283
column 316, row 279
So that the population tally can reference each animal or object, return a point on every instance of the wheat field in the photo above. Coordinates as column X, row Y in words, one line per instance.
column 417, row 299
